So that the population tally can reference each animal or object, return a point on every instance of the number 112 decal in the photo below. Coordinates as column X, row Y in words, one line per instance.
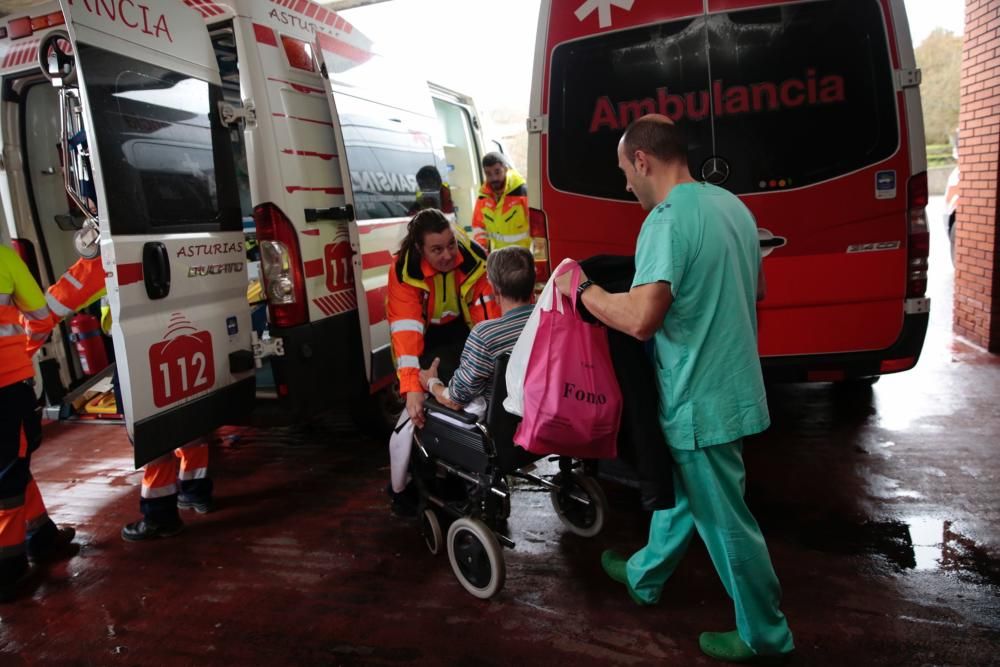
column 182, row 364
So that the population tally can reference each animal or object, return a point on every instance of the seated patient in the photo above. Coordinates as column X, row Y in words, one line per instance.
column 511, row 273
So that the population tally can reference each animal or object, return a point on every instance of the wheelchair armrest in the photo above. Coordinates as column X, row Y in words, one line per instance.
column 432, row 407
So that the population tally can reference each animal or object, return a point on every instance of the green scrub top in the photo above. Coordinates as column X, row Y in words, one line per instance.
column 703, row 241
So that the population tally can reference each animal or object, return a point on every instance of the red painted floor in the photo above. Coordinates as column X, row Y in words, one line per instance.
column 881, row 508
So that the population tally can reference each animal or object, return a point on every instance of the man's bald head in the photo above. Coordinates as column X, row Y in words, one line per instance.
column 655, row 135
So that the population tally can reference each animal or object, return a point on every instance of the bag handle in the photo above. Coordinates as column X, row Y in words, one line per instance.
column 574, row 282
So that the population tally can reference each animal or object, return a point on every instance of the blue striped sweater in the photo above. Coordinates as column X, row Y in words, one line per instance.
column 487, row 341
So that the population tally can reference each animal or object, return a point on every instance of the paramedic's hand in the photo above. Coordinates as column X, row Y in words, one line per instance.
column 415, row 407
column 564, row 283
column 432, row 372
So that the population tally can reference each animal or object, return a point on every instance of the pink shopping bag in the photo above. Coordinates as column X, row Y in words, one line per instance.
column 572, row 402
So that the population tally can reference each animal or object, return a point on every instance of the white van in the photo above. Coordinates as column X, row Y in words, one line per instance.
column 191, row 123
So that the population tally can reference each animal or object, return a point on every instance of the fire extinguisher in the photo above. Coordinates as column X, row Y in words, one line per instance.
column 85, row 332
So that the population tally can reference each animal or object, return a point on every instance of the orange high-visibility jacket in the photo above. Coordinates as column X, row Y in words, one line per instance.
column 21, row 303
column 80, row 286
column 504, row 221
column 419, row 296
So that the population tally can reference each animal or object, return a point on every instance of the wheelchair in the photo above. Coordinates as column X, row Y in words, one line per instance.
column 462, row 467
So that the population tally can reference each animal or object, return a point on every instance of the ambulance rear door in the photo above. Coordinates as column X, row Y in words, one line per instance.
column 386, row 131
column 168, row 208
column 810, row 133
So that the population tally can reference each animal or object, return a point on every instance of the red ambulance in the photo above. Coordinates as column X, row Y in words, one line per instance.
column 809, row 111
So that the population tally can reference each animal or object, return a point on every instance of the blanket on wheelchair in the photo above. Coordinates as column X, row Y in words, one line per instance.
column 401, row 442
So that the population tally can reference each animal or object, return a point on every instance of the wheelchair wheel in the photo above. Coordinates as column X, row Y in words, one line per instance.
column 476, row 557
column 430, row 528
column 584, row 520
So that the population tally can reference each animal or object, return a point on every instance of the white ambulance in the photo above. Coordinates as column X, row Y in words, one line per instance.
column 183, row 124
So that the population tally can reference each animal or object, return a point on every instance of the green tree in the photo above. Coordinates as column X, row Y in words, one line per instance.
column 939, row 58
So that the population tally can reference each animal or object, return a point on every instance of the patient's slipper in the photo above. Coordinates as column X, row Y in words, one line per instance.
column 614, row 565
column 725, row 646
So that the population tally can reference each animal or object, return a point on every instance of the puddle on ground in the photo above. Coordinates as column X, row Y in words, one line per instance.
column 919, row 543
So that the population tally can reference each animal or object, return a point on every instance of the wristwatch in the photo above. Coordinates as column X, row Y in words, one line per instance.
column 580, row 290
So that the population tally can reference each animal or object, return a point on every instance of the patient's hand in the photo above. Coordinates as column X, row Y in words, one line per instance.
column 447, row 402
column 432, row 372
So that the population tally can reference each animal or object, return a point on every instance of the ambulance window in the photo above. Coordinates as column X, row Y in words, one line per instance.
column 165, row 157
column 804, row 92
column 386, row 148
column 657, row 68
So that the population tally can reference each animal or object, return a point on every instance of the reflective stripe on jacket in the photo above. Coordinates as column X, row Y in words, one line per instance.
column 497, row 223
column 21, row 303
column 80, row 286
column 418, row 297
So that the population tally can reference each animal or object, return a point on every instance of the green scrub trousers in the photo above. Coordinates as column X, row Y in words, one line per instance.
column 709, row 486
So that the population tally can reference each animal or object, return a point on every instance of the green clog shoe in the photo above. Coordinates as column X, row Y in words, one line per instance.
column 614, row 565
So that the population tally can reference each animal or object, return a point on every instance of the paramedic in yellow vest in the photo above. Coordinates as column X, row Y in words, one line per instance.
column 26, row 531
column 500, row 218
column 437, row 291
column 186, row 468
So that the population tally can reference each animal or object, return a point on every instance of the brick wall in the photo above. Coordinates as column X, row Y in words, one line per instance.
column 977, row 293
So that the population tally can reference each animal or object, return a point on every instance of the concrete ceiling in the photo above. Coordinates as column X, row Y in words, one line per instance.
column 14, row 6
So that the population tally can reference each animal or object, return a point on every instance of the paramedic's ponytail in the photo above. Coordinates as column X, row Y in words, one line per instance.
column 427, row 221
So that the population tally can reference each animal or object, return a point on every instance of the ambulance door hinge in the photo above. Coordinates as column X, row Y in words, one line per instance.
column 917, row 306
column 908, row 78
column 232, row 115
column 538, row 124
column 265, row 346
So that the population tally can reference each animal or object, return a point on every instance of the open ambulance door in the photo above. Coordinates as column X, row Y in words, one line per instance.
column 166, row 203
column 384, row 124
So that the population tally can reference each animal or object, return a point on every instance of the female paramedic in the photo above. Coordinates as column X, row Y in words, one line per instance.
column 437, row 292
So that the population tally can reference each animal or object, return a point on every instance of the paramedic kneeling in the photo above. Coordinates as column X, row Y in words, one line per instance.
column 437, row 291
column 511, row 272
column 697, row 279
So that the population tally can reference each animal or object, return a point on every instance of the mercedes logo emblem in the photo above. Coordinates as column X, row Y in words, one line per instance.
column 715, row 170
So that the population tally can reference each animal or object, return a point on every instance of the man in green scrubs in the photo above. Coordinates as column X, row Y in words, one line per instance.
column 698, row 277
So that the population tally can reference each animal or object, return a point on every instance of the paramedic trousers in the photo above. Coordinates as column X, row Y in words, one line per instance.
column 25, row 526
column 709, row 486
column 184, row 470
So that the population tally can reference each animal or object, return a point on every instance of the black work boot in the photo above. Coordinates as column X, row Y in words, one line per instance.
column 199, row 505
column 144, row 529
column 52, row 544
column 19, row 578
column 404, row 503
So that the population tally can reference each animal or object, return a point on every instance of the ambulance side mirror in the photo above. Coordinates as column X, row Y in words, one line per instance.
column 56, row 60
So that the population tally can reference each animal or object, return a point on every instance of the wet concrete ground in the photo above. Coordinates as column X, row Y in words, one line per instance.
column 880, row 506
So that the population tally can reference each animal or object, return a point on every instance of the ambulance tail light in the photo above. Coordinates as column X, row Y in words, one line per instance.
column 26, row 250
column 299, row 53
column 28, row 25
column 539, row 230
column 918, row 241
column 280, row 266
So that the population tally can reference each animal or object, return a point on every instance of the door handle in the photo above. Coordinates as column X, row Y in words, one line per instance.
column 156, row 269
column 48, row 171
